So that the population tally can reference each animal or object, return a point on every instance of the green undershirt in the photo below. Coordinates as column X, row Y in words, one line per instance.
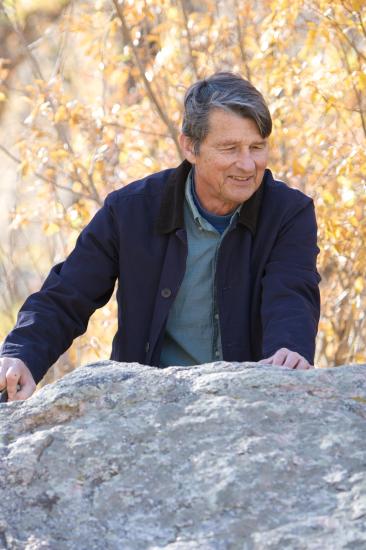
column 192, row 334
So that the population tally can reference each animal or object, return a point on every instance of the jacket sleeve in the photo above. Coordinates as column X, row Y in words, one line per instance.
column 51, row 318
column 290, row 288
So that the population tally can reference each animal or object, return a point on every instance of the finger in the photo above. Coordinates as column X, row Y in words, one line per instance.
column 280, row 357
column 2, row 379
column 292, row 360
column 27, row 385
column 303, row 364
column 3, row 369
column 267, row 361
column 25, row 391
column 12, row 379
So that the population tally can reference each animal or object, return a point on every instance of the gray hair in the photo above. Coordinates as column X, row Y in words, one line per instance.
column 223, row 90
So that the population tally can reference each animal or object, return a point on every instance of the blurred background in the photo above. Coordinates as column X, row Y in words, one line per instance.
column 90, row 99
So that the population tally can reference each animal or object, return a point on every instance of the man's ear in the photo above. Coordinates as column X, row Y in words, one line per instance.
column 187, row 148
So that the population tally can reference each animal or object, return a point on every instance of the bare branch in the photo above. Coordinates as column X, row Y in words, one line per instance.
column 139, row 130
column 9, row 154
column 36, row 71
column 341, row 32
column 363, row 27
column 352, row 11
column 241, row 44
column 345, row 119
column 96, row 195
column 189, row 38
column 147, row 85
column 60, row 59
column 52, row 182
column 355, row 89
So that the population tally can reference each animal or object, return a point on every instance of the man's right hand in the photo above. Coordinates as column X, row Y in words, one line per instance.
column 14, row 373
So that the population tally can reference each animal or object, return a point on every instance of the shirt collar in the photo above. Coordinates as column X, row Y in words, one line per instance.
column 198, row 212
column 171, row 214
column 189, row 197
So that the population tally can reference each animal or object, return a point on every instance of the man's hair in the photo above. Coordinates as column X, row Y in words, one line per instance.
column 223, row 90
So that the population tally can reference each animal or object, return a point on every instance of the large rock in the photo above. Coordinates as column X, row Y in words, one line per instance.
column 219, row 456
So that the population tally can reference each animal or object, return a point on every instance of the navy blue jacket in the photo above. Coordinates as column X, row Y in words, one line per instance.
column 266, row 279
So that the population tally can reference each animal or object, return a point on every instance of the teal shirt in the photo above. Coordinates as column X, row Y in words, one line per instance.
column 192, row 335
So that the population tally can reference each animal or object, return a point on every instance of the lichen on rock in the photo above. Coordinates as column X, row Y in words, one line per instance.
column 217, row 456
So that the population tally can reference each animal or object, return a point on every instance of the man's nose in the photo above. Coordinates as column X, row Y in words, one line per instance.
column 245, row 161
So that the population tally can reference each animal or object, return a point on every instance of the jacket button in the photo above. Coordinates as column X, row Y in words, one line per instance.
column 147, row 347
column 166, row 293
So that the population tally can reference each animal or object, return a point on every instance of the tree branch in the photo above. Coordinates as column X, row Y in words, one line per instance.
column 154, row 100
column 49, row 181
column 355, row 89
column 359, row 16
column 358, row 13
column 340, row 31
column 60, row 60
column 241, row 46
column 36, row 70
column 139, row 130
column 189, row 38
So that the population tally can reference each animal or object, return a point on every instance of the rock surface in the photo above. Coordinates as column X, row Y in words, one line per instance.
column 218, row 456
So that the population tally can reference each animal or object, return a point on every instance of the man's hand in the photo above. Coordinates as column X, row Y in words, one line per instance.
column 287, row 358
column 14, row 373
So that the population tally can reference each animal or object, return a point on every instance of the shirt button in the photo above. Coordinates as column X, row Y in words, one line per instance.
column 166, row 293
column 216, row 316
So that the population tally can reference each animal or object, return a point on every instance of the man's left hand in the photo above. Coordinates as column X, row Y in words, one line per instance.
column 287, row 358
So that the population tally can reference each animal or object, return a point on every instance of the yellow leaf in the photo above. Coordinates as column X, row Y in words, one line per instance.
column 353, row 220
column 59, row 154
column 50, row 173
column 359, row 285
column 344, row 181
column 77, row 187
column 362, row 79
column 114, row 26
column 172, row 13
column 310, row 39
column 359, row 212
column 99, row 166
column 328, row 197
column 51, row 229
column 61, row 114
column 357, row 4
column 24, row 168
column 298, row 168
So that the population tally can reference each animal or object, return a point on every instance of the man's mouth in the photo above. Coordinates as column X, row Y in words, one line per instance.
column 241, row 178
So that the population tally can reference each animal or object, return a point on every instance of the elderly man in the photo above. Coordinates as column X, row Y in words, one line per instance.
column 214, row 259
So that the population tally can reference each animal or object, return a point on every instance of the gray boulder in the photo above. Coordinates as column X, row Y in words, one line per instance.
column 219, row 456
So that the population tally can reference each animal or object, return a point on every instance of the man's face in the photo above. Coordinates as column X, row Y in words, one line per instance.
column 231, row 162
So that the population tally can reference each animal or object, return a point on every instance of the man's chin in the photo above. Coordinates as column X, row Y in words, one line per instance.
column 242, row 195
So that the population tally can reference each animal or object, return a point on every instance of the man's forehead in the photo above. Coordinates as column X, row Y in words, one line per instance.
column 231, row 139
column 224, row 121
column 229, row 136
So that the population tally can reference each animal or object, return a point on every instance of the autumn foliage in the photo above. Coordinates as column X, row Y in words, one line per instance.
column 90, row 99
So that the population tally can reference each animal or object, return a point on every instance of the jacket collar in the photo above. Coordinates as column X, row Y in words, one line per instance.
column 171, row 214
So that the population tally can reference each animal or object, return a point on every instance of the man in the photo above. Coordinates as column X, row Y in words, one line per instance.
column 214, row 259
